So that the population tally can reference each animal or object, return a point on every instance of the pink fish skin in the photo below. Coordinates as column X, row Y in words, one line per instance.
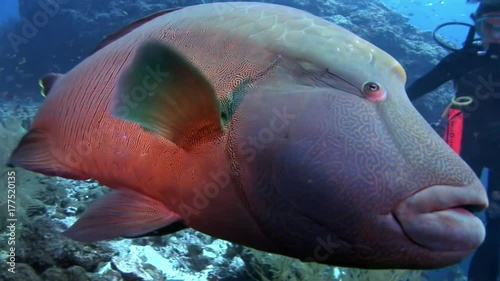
column 263, row 125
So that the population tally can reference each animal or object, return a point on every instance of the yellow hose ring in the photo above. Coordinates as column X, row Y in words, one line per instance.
column 462, row 101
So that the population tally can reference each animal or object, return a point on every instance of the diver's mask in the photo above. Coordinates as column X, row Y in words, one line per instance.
column 488, row 27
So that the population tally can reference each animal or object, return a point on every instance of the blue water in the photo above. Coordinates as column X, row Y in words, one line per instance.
column 426, row 15
column 423, row 14
column 8, row 9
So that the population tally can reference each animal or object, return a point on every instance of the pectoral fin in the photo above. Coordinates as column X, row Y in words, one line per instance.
column 122, row 213
column 165, row 93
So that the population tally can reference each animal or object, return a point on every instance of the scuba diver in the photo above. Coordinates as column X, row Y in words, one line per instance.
column 473, row 118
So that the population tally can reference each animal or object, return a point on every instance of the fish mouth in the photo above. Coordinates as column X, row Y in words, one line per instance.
column 440, row 217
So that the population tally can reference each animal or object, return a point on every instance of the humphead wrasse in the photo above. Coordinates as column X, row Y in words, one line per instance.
column 262, row 125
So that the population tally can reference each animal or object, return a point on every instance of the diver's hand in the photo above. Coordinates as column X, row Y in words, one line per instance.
column 493, row 211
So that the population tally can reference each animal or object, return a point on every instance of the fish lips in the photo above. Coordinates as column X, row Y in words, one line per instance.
column 440, row 217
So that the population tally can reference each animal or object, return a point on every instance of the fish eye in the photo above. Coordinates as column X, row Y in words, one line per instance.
column 374, row 92
column 371, row 87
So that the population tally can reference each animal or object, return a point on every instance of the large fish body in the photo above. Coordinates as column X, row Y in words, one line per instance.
column 259, row 124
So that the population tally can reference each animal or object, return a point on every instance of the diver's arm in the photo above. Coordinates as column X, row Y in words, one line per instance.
column 441, row 73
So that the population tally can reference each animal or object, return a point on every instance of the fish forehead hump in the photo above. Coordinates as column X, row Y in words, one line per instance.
column 230, row 42
column 244, row 37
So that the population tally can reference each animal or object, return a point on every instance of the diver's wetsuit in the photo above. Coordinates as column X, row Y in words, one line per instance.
column 478, row 76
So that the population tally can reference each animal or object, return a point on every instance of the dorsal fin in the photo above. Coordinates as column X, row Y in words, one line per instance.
column 114, row 36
